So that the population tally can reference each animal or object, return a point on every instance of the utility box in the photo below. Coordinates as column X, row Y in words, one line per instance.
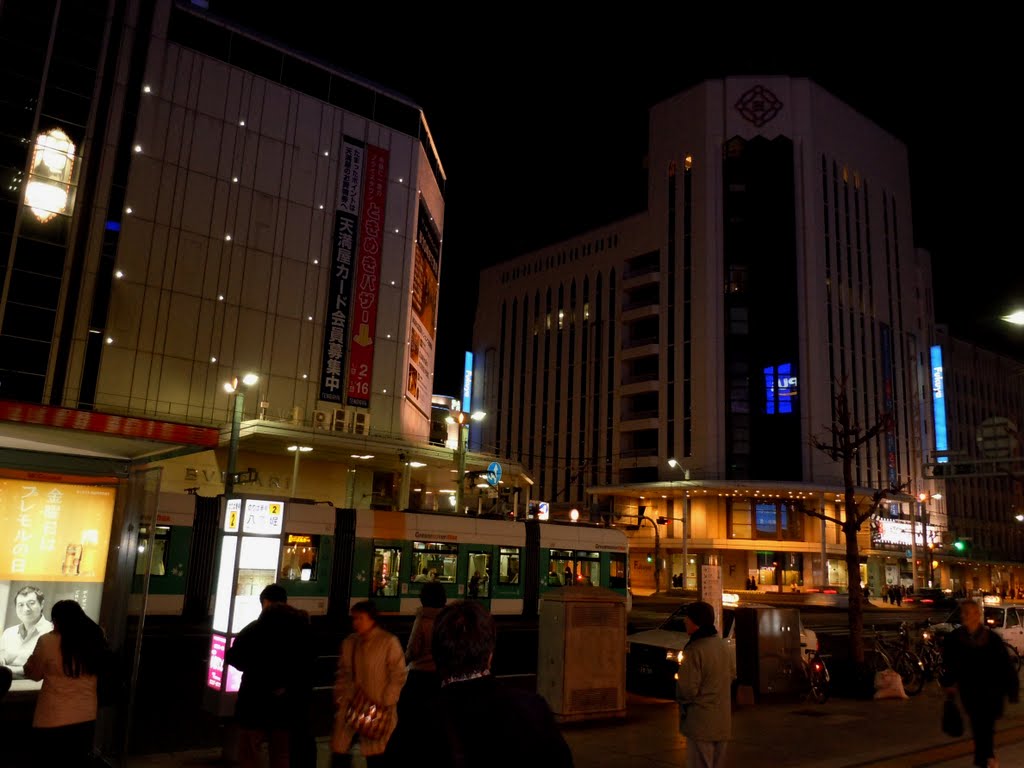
column 768, row 649
column 581, row 664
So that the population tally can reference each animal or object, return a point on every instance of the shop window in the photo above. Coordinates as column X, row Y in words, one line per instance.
column 766, row 520
column 433, row 561
column 299, row 557
column 508, row 565
column 739, row 519
column 386, row 562
column 160, row 541
column 791, row 521
column 478, row 572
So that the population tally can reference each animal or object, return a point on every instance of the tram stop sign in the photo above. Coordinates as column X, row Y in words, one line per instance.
column 493, row 473
column 997, row 438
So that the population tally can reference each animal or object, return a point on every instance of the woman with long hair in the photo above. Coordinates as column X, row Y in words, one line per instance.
column 69, row 661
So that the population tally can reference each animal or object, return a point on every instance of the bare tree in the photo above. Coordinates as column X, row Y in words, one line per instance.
column 845, row 439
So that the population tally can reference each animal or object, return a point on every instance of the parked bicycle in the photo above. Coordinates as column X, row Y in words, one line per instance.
column 930, row 653
column 817, row 677
column 897, row 655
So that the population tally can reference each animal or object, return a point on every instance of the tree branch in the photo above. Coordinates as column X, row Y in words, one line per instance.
column 821, row 516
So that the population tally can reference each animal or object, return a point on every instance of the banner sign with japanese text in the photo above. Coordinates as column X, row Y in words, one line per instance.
column 367, row 286
column 423, row 317
column 339, row 297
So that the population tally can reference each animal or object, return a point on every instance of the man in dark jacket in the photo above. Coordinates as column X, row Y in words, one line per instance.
column 275, row 656
column 477, row 720
column 978, row 664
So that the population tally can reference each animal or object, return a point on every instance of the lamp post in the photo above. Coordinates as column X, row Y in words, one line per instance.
column 298, row 450
column 686, row 523
column 234, row 387
column 462, row 419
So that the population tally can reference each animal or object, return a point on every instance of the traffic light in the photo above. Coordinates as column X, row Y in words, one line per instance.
column 650, row 558
column 959, row 545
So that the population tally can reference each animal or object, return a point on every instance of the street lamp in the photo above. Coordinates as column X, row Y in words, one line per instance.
column 462, row 419
column 234, row 387
column 1015, row 318
column 298, row 450
column 686, row 522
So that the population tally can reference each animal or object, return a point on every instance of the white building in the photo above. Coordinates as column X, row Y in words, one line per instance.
column 775, row 260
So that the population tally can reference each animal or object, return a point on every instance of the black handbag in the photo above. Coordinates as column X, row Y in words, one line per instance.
column 952, row 720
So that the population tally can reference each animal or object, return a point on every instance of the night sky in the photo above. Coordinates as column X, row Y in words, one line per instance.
column 542, row 126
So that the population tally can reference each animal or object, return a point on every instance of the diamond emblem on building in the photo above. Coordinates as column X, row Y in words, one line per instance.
column 759, row 105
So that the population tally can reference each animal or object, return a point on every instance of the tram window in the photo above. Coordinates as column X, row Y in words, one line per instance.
column 508, row 565
column 386, row 561
column 588, row 569
column 163, row 535
column 617, row 570
column 299, row 557
column 561, row 568
column 478, row 581
column 433, row 561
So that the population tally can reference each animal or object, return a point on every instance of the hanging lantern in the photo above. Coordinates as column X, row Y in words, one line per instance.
column 49, row 178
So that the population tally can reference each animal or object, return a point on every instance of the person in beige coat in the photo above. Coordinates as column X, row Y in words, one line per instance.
column 371, row 659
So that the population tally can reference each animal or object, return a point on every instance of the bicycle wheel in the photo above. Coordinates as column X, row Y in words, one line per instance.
column 911, row 672
column 818, row 680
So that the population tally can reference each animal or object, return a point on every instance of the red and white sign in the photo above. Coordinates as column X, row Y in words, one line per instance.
column 215, row 676
column 121, row 426
column 367, row 285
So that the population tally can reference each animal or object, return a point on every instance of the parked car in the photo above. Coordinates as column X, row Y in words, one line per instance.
column 1004, row 619
column 653, row 656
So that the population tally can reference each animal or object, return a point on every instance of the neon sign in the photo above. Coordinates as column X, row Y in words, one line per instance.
column 939, row 403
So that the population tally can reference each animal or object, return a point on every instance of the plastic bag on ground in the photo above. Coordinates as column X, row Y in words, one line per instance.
column 889, row 685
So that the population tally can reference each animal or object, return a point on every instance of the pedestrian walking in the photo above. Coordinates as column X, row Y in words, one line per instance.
column 69, row 660
column 703, row 689
column 422, row 684
column 978, row 667
column 275, row 696
column 371, row 673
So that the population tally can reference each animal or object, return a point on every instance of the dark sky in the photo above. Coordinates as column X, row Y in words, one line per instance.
column 542, row 126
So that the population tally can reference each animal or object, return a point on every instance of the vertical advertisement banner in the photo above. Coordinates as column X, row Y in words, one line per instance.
column 339, row 296
column 423, row 317
column 368, row 263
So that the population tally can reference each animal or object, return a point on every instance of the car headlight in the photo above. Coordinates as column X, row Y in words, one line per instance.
column 676, row 656
column 926, row 635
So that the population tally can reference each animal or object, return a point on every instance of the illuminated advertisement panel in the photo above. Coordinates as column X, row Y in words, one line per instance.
column 367, row 285
column 225, row 580
column 339, row 296
column 232, row 515
column 215, row 675
column 467, row 384
column 257, row 568
column 939, row 404
column 54, row 539
column 423, row 317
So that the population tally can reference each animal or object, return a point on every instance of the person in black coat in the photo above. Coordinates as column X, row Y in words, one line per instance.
column 275, row 655
column 478, row 720
column 978, row 665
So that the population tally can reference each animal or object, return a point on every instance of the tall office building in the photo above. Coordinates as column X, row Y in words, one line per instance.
column 979, row 403
column 773, row 266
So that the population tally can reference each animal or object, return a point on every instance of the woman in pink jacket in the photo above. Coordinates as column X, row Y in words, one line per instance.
column 370, row 659
column 67, row 660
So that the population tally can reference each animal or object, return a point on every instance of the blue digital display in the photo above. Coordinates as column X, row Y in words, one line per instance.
column 939, row 404
column 780, row 388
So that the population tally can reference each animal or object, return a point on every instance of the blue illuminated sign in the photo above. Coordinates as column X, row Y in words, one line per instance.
column 939, row 404
column 780, row 388
column 467, row 384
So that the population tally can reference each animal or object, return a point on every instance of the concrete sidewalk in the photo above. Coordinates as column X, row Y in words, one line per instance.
column 900, row 733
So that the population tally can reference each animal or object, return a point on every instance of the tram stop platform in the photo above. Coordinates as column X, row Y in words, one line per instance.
column 842, row 733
